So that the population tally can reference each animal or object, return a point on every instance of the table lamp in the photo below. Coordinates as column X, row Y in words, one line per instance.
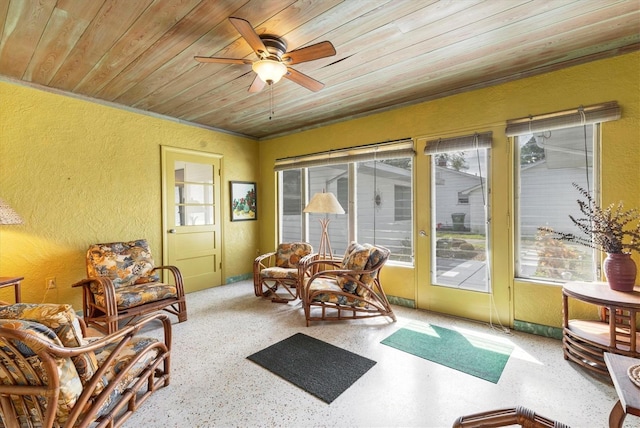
column 324, row 203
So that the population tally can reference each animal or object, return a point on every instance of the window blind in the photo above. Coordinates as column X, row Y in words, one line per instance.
column 389, row 150
column 564, row 119
column 460, row 143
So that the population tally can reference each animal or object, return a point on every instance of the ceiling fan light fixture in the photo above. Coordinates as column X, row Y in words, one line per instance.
column 269, row 71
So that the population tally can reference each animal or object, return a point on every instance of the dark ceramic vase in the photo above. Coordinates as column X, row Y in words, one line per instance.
column 620, row 271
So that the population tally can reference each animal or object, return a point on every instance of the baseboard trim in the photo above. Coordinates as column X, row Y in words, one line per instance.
column 401, row 301
column 538, row 329
column 238, row 278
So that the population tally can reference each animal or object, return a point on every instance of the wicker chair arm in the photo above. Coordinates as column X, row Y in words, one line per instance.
column 335, row 273
column 108, row 292
column 260, row 258
column 177, row 278
column 38, row 344
column 129, row 330
column 105, row 285
column 312, row 261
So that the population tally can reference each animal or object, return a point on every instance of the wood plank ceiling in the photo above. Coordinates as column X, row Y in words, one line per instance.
column 139, row 53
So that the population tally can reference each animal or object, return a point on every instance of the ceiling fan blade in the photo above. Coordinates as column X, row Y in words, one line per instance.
column 222, row 60
column 249, row 34
column 257, row 85
column 317, row 51
column 304, row 80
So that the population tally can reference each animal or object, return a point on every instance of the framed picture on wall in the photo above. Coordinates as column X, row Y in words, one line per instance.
column 243, row 200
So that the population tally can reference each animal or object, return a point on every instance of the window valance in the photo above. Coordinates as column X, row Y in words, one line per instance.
column 389, row 150
column 455, row 144
column 564, row 119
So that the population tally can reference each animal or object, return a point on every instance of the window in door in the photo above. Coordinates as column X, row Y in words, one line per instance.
column 193, row 194
column 460, row 227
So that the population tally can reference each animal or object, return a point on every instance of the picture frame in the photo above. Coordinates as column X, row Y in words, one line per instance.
column 244, row 200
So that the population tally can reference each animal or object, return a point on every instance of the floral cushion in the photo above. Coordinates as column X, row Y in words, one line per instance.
column 139, row 294
column 132, row 349
column 375, row 257
column 356, row 258
column 279, row 273
column 330, row 293
column 70, row 384
column 125, row 263
column 288, row 255
column 63, row 321
column 359, row 257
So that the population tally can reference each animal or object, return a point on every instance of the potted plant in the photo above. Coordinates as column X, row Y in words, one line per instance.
column 613, row 230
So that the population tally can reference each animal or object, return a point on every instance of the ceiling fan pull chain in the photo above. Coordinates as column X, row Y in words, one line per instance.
column 271, row 112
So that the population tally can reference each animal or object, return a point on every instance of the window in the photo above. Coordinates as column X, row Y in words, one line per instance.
column 291, row 195
column 547, row 164
column 376, row 199
column 343, row 193
column 402, row 203
column 459, row 223
column 326, row 178
column 370, row 180
column 291, row 201
column 553, row 151
column 193, row 194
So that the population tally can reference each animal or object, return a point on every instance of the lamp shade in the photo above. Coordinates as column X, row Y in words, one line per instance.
column 8, row 215
column 269, row 71
column 324, row 203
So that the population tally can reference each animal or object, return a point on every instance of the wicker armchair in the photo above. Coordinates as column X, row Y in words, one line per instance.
column 123, row 283
column 53, row 375
column 350, row 288
column 520, row 416
column 279, row 270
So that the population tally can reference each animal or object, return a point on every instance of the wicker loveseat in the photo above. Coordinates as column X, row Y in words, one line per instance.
column 348, row 288
column 53, row 375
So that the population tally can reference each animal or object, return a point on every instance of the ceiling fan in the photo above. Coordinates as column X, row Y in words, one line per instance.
column 274, row 60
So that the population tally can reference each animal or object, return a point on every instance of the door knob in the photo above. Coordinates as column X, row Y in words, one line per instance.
column 171, row 231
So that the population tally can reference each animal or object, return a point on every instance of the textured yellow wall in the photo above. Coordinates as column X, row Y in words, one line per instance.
column 81, row 173
column 614, row 79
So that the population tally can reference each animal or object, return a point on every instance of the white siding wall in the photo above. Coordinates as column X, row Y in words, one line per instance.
column 544, row 205
column 450, row 183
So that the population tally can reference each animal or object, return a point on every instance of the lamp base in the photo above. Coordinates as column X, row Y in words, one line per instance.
column 325, row 244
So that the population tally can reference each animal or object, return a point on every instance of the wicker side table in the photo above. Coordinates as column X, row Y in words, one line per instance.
column 7, row 281
column 585, row 341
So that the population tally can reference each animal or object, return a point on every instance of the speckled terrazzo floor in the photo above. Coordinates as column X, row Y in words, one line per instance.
column 214, row 385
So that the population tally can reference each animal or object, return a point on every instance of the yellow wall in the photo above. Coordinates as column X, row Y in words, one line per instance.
column 80, row 173
column 615, row 79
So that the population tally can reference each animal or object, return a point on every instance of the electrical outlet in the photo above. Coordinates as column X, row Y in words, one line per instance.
column 50, row 283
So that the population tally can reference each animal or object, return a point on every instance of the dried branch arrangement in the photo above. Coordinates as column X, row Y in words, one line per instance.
column 606, row 229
